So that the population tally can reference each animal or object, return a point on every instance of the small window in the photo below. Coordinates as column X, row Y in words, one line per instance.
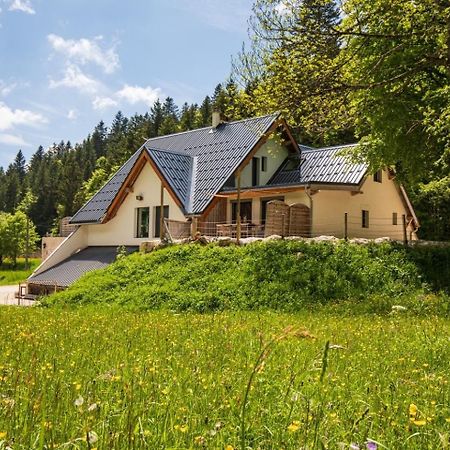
column 142, row 222
column 157, row 227
column 264, row 164
column 394, row 219
column 365, row 218
column 378, row 176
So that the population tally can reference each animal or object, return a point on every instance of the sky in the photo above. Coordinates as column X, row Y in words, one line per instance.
column 67, row 64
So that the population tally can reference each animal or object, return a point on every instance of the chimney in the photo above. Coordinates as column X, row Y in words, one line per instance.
column 216, row 119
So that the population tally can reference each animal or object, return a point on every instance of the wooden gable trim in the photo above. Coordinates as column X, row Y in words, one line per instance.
column 127, row 185
column 276, row 124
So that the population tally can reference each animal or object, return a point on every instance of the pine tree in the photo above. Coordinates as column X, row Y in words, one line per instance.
column 20, row 166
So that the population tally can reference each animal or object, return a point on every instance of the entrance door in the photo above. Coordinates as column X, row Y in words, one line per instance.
column 246, row 211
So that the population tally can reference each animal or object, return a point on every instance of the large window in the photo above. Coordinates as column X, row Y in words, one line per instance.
column 157, row 227
column 255, row 171
column 142, row 222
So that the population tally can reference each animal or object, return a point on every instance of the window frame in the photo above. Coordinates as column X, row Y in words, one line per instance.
column 138, row 228
column 378, row 176
column 263, row 163
column 166, row 212
column 394, row 218
column 256, row 164
column 365, row 218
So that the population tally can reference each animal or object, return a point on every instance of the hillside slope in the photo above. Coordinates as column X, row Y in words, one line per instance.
column 286, row 275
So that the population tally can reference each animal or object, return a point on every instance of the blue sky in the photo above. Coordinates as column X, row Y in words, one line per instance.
column 67, row 64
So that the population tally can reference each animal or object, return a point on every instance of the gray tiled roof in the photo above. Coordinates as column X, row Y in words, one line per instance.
column 94, row 210
column 195, row 163
column 322, row 166
column 177, row 169
column 72, row 268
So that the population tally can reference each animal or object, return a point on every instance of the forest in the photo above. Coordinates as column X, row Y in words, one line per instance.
column 374, row 72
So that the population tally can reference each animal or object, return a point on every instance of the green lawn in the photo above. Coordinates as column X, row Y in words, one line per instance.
column 109, row 379
column 10, row 275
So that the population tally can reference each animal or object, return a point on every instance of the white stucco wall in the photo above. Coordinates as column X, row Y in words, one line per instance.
column 329, row 208
column 380, row 199
column 275, row 152
column 78, row 240
column 121, row 229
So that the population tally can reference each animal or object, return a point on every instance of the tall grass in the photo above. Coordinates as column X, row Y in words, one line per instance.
column 109, row 379
column 14, row 275
column 284, row 275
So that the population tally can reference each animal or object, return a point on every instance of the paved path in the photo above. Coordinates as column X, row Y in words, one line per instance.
column 7, row 294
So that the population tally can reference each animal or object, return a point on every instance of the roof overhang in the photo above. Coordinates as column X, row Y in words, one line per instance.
column 129, row 181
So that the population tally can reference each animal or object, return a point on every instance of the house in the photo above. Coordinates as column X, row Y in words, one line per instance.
column 243, row 178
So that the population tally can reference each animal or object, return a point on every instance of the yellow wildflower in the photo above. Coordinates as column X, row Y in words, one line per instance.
column 412, row 410
column 184, row 428
column 294, row 426
column 229, row 447
column 420, row 423
column 3, row 434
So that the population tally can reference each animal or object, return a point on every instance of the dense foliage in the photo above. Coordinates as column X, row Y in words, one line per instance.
column 285, row 275
column 107, row 379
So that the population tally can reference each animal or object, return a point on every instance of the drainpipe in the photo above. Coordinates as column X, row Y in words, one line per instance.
column 308, row 193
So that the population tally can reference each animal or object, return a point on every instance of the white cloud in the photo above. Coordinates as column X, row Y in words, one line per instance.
column 103, row 103
column 84, row 51
column 9, row 118
column 72, row 114
column 137, row 94
column 75, row 78
column 11, row 139
column 22, row 5
column 6, row 89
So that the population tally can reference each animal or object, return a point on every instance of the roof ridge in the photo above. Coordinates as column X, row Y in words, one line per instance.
column 331, row 147
column 172, row 152
column 209, row 127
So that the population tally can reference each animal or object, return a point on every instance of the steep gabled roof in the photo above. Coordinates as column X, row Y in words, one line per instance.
column 196, row 164
column 322, row 166
column 95, row 209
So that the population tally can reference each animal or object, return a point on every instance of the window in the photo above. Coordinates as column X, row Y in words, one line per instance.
column 394, row 219
column 365, row 218
column 142, row 222
column 264, row 164
column 246, row 211
column 157, row 227
column 255, row 171
column 378, row 176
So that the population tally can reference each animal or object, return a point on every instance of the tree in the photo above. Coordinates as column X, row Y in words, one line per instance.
column 19, row 165
column 14, row 237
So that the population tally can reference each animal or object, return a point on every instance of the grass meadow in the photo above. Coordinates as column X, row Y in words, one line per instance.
column 10, row 275
column 104, row 378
